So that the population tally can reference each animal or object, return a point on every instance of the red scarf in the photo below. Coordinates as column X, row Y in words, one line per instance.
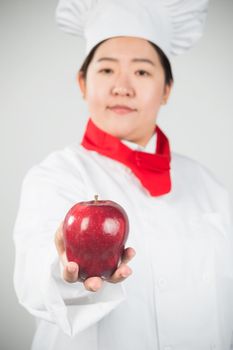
column 153, row 170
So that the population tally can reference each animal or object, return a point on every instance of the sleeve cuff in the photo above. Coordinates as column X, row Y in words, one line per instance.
column 71, row 306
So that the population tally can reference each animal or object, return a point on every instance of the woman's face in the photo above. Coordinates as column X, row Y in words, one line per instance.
column 124, row 88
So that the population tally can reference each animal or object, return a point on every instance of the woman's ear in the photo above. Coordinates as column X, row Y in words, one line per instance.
column 82, row 83
column 166, row 94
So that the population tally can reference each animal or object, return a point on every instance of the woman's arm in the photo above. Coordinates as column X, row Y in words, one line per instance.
column 39, row 285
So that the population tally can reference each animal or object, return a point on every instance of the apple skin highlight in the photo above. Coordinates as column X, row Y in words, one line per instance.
column 95, row 233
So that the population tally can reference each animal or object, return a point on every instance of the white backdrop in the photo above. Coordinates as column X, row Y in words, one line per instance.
column 42, row 110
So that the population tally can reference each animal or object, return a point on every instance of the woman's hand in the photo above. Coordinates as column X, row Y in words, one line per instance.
column 71, row 269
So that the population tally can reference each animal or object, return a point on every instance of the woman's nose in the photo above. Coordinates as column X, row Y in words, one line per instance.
column 122, row 91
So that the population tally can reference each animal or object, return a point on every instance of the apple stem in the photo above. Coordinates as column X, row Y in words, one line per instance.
column 96, row 197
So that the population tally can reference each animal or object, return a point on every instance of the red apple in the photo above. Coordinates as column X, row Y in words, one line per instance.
column 95, row 233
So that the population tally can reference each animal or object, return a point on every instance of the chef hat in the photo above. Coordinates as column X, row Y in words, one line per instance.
column 173, row 25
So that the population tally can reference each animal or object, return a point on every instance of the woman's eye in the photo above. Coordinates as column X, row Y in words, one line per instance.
column 106, row 70
column 142, row 72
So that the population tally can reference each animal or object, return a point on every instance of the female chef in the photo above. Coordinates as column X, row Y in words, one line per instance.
column 180, row 294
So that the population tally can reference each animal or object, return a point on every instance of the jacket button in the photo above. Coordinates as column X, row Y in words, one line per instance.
column 162, row 285
column 206, row 278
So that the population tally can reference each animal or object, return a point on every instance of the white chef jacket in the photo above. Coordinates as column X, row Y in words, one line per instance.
column 180, row 295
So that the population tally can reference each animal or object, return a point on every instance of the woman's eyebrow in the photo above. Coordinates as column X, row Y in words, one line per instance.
column 145, row 60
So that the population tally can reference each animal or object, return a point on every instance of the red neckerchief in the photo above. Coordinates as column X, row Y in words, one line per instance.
column 153, row 170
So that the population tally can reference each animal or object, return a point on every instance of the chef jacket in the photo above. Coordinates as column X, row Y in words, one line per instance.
column 180, row 295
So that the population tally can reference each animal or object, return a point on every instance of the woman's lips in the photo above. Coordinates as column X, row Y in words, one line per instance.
column 121, row 109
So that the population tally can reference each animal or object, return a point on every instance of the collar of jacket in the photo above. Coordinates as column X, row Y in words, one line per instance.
column 152, row 169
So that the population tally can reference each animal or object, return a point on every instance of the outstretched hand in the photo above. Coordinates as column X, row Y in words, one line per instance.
column 71, row 268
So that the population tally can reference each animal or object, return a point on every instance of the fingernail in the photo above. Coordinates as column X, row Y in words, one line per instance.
column 92, row 288
column 71, row 268
column 126, row 274
column 133, row 253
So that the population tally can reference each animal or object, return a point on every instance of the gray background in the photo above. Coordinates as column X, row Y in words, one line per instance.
column 42, row 110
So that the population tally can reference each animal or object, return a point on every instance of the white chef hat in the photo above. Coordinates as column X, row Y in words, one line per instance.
column 173, row 25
